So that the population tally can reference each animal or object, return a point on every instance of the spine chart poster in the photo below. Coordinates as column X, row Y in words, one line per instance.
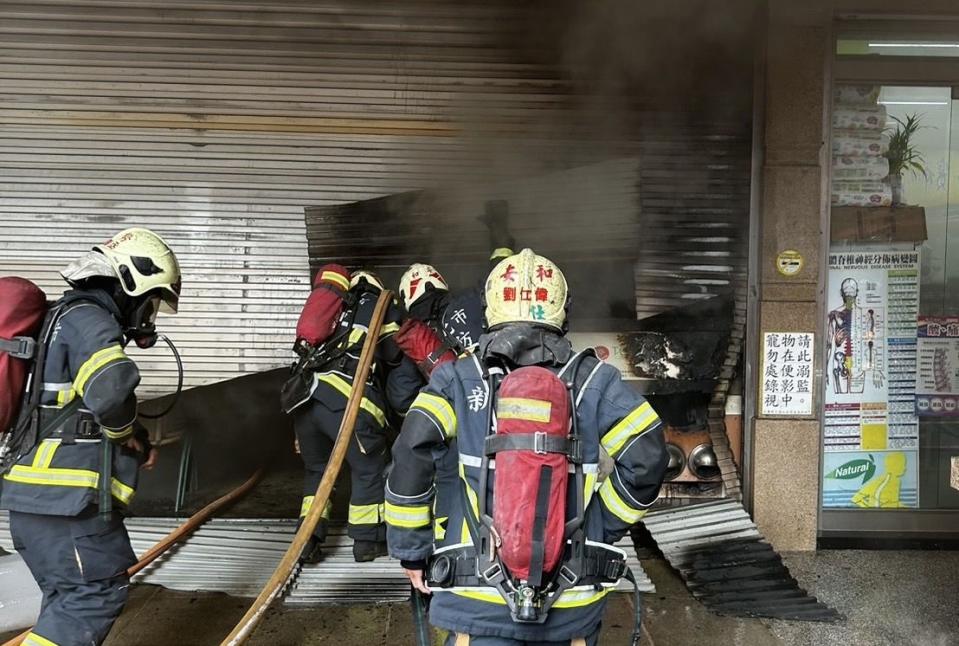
column 869, row 371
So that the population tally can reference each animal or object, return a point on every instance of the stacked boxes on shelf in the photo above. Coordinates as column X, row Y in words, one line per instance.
column 860, row 170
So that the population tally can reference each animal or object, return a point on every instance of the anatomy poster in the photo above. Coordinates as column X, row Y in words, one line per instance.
column 870, row 368
column 937, row 378
column 871, row 480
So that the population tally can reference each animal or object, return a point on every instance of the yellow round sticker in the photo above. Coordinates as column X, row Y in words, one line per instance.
column 789, row 262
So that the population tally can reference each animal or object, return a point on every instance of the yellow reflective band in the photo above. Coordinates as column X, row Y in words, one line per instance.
column 365, row 514
column 389, row 328
column 439, row 527
column 120, row 491
column 412, row 517
column 501, row 252
column 439, row 409
column 569, row 599
column 531, row 410
column 97, row 360
column 474, row 505
column 589, row 488
column 344, row 387
column 632, row 425
column 356, row 336
column 67, row 478
column 64, row 397
column 44, row 455
column 118, row 435
column 308, row 502
column 617, row 506
column 580, row 598
column 340, row 280
column 33, row 639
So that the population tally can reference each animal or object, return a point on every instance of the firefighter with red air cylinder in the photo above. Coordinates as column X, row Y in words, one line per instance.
column 525, row 554
column 330, row 335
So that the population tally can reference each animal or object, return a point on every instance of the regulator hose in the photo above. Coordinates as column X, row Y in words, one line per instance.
column 179, row 382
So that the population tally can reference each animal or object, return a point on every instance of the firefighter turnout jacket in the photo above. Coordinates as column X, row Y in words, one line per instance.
column 334, row 380
column 85, row 358
column 611, row 417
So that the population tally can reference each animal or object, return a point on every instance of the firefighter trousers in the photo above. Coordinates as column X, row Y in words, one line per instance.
column 316, row 425
column 79, row 563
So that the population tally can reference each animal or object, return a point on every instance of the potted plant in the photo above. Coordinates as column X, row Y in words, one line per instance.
column 903, row 155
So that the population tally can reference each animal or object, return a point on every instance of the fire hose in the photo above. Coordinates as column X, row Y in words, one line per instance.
column 178, row 534
column 242, row 631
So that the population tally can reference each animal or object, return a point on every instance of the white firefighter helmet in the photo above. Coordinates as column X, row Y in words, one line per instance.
column 414, row 282
column 368, row 277
column 526, row 288
column 144, row 262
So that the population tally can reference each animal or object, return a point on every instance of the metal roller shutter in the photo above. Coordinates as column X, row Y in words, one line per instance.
column 215, row 123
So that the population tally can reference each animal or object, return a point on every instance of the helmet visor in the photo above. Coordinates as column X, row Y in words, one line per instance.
column 170, row 298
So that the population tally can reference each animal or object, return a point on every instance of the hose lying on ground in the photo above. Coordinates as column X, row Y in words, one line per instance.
column 188, row 527
column 284, row 570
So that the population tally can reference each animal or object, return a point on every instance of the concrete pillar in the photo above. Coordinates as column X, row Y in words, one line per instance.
column 786, row 451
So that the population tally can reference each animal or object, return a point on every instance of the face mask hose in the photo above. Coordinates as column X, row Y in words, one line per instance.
column 179, row 383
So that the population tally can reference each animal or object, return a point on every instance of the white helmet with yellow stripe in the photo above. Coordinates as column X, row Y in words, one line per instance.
column 144, row 263
column 368, row 277
column 526, row 288
column 417, row 281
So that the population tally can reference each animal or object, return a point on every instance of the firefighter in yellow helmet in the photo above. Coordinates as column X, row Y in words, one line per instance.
column 475, row 595
column 77, row 551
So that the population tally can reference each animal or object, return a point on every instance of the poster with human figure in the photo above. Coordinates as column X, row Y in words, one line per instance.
column 869, row 371
column 855, row 333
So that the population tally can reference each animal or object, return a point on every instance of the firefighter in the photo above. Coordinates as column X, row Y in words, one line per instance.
column 526, row 310
column 77, row 553
column 317, row 423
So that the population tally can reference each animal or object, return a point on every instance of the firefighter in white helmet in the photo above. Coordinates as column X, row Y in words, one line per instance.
column 526, row 309
column 78, row 552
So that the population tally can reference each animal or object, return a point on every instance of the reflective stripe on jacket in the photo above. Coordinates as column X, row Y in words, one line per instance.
column 85, row 358
column 454, row 405
column 332, row 386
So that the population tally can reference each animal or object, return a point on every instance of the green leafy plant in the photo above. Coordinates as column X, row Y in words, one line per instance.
column 903, row 155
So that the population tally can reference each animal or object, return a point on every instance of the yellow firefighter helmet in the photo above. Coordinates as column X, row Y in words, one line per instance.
column 368, row 277
column 526, row 288
column 144, row 262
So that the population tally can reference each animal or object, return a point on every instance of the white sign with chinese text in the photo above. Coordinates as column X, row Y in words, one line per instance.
column 787, row 373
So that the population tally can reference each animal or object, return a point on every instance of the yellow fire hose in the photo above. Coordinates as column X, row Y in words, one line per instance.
column 178, row 534
column 281, row 575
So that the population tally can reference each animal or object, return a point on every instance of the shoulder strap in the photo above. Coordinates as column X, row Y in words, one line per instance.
column 27, row 418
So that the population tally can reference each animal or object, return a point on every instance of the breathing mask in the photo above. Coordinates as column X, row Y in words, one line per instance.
column 141, row 322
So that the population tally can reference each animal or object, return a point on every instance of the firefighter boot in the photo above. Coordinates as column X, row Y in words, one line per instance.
column 364, row 551
column 312, row 551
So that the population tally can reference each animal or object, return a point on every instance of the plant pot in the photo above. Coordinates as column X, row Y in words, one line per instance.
column 895, row 181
